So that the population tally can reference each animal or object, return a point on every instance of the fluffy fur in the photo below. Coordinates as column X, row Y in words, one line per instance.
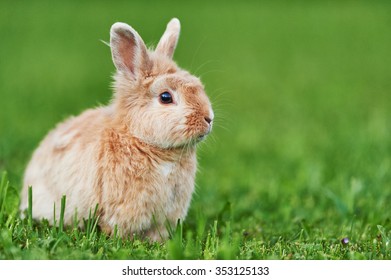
column 135, row 157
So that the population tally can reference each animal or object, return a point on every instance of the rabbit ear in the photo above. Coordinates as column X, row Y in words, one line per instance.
column 128, row 49
column 169, row 39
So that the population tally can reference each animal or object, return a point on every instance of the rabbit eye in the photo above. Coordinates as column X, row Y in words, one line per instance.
column 166, row 97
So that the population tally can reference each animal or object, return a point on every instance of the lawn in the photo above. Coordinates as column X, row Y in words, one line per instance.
column 300, row 155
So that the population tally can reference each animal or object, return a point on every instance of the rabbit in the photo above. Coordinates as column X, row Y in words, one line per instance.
column 135, row 157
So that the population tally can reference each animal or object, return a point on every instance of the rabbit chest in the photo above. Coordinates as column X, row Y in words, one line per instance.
column 139, row 186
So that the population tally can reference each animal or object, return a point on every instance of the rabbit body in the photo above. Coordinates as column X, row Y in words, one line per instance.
column 136, row 157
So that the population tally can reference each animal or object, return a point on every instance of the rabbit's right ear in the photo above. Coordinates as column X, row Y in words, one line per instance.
column 128, row 49
column 169, row 40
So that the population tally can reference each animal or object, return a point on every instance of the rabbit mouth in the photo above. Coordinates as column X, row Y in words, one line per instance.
column 203, row 135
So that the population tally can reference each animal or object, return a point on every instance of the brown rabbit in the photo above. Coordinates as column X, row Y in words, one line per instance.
column 135, row 157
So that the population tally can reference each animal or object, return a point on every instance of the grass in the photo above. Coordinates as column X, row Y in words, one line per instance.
column 300, row 156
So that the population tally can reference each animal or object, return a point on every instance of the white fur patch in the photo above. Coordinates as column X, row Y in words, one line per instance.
column 166, row 168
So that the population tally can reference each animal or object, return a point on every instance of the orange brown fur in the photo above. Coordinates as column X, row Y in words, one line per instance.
column 135, row 157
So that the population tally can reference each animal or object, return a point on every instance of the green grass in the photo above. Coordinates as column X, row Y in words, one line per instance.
column 300, row 156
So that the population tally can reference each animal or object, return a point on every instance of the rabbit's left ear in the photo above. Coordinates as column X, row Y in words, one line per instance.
column 128, row 50
column 169, row 40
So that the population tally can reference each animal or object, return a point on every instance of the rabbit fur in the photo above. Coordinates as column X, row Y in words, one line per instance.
column 136, row 157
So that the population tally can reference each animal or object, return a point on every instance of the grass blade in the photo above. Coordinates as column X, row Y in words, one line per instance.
column 3, row 195
column 30, row 207
column 62, row 213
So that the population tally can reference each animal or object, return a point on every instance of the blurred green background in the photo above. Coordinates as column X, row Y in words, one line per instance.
column 301, row 92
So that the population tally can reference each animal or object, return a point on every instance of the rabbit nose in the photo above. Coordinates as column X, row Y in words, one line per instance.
column 208, row 120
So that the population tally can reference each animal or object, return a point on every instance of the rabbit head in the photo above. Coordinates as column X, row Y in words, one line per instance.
column 160, row 103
